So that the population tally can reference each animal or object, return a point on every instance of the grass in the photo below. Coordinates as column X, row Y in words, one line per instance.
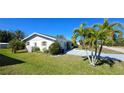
column 44, row 64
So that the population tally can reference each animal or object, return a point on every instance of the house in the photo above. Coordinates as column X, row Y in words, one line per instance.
column 3, row 45
column 43, row 41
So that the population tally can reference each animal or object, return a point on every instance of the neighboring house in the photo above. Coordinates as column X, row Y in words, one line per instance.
column 3, row 45
column 42, row 41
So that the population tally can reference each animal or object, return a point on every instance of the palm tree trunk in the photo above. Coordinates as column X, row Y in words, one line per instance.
column 87, row 54
column 92, row 58
column 15, row 48
column 95, row 55
column 101, row 46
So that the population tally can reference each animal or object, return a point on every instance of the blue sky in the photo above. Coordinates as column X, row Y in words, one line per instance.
column 50, row 26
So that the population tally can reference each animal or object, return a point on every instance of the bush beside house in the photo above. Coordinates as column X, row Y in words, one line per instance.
column 45, row 50
column 35, row 49
column 55, row 49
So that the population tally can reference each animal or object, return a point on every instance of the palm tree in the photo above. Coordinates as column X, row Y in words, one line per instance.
column 16, row 43
column 19, row 34
column 107, row 32
column 82, row 33
column 74, row 37
column 94, row 37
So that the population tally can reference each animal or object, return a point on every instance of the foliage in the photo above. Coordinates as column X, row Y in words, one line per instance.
column 6, row 36
column 54, row 48
column 16, row 45
column 60, row 37
column 45, row 50
column 68, row 46
column 35, row 49
column 74, row 37
column 19, row 34
column 95, row 37
column 119, row 42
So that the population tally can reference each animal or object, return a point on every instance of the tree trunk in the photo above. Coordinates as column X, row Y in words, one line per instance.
column 15, row 48
column 87, row 54
column 95, row 55
column 100, row 49
column 12, row 49
column 92, row 58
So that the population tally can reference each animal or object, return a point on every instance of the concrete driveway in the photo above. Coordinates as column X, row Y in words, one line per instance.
column 83, row 53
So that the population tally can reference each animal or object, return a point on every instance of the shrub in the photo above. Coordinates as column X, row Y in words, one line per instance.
column 35, row 49
column 21, row 45
column 45, row 50
column 54, row 48
column 16, row 44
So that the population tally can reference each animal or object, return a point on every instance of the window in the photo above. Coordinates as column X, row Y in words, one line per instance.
column 28, row 43
column 35, row 44
column 44, row 43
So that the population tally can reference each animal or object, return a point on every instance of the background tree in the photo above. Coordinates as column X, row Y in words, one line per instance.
column 6, row 36
column 19, row 34
column 60, row 37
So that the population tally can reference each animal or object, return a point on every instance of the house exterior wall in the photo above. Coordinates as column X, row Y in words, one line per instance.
column 38, row 42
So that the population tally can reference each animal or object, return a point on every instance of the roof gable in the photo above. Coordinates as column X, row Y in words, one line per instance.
column 40, row 35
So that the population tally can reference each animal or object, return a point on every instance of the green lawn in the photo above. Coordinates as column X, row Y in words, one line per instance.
column 39, row 63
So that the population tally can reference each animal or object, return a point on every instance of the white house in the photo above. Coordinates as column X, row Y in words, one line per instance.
column 42, row 41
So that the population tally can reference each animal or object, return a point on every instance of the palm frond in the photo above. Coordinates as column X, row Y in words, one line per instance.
column 117, row 25
column 105, row 24
column 97, row 25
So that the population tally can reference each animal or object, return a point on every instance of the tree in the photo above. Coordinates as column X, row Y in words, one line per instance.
column 82, row 34
column 16, row 43
column 19, row 34
column 54, row 48
column 107, row 31
column 6, row 36
column 93, row 37
column 60, row 37
column 74, row 37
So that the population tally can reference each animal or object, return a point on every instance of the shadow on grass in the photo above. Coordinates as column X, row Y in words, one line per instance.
column 105, row 60
column 5, row 61
column 108, row 60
